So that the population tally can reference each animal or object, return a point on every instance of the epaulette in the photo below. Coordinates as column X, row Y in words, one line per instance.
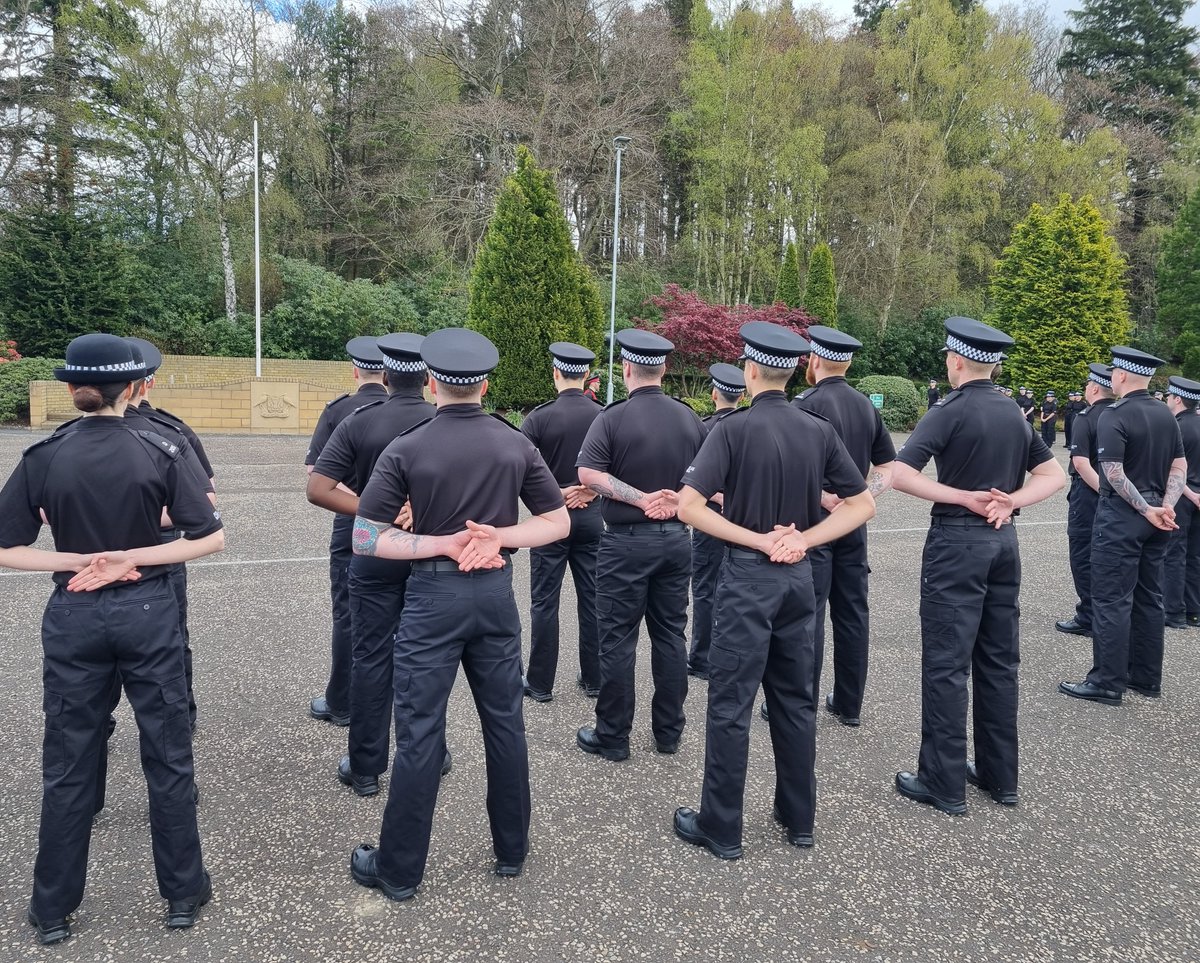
column 621, row 402
column 56, row 436
column 499, row 417
column 805, row 393
column 164, row 413
column 811, row 414
column 369, row 404
column 334, row 401
column 158, row 441
column 1118, row 403
column 953, row 395
column 68, row 424
column 544, row 404
column 412, row 428
column 153, row 414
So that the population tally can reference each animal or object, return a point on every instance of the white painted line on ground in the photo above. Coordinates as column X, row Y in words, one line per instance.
column 925, row 528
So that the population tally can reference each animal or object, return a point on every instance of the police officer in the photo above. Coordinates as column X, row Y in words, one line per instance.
column 634, row 455
column 1073, row 409
column 463, row 472
column 178, row 573
column 763, row 633
column 375, row 585
column 103, row 486
column 1049, row 416
column 728, row 388
column 971, row 571
column 1025, row 400
column 1143, row 474
column 368, row 369
column 932, row 395
column 558, row 428
column 1084, row 496
column 840, row 566
column 1181, row 574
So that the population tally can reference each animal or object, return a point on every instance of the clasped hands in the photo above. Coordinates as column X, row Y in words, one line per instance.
column 661, row 505
column 578, row 496
column 994, row 505
column 785, row 545
column 477, row 547
column 101, row 569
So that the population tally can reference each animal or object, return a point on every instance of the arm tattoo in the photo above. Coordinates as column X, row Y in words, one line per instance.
column 875, row 483
column 366, row 535
column 1114, row 471
column 1175, row 487
column 407, row 542
column 613, row 487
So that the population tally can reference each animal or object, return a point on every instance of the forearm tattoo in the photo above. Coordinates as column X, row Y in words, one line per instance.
column 876, row 483
column 366, row 536
column 1175, row 487
column 1114, row 471
column 408, row 543
column 612, row 487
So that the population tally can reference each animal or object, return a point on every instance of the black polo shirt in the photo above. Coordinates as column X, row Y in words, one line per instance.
column 350, row 454
column 463, row 464
column 977, row 442
column 1083, row 435
column 857, row 422
column 772, row 461
column 1141, row 433
column 647, row 441
column 1049, row 410
column 103, row 486
column 336, row 412
column 1189, row 431
column 558, row 428
column 193, row 439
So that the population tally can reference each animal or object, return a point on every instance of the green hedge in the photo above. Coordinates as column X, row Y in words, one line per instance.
column 14, row 385
column 901, row 406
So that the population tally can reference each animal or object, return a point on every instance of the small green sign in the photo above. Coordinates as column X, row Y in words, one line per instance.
column 877, row 401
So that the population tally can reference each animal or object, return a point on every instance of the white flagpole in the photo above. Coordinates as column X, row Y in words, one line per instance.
column 257, row 271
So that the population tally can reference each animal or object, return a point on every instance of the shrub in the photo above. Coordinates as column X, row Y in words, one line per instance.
column 820, row 289
column 788, row 290
column 14, row 385
column 901, row 406
column 701, row 404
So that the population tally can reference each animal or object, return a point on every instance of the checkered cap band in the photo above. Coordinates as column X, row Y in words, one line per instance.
column 1102, row 382
column 829, row 354
column 405, row 367
column 575, row 369
column 367, row 365
column 650, row 360
column 457, row 379
column 1184, row 393
column 123, row 366
column 1133, row 367
column 971, row 353
column 771, row 360
column 727, row 389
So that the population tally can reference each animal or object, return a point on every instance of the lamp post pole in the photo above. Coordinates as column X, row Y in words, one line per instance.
column 619, row 143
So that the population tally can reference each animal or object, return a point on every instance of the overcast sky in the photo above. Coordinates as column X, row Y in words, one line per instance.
column 845, row 8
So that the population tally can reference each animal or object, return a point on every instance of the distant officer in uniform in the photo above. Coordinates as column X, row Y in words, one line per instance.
column 1084, row 496
column 932, row 396
column 1073, row 409
column 773, row 462
column 178, row 573
column 463, row 473
column 634, row 455
column 840, row 566
column 728, row 388
column 375, row 585
column 558, row 428
column 1025, row 400
column 367, row 359
column 1181, row 575
column 1049, row 416
column 971, row 572
column 1140, row 451
column 101, row 486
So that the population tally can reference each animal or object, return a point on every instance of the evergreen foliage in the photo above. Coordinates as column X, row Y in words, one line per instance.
column 1179, row 285
column 901, row 406
column 788, row 290
column 529, row 288
column 820, row 289
column 1059, row 292
column 14, row 385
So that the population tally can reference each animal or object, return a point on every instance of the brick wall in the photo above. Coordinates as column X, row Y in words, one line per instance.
column 179, row 370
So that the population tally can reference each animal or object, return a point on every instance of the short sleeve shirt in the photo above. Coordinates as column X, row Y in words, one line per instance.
column 558, row 428
column 857, row 422
column 1142, row 434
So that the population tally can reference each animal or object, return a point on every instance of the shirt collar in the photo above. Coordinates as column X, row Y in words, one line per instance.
column 768, row 397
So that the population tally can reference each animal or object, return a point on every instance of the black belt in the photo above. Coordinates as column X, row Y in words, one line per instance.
column 978, row 522
column 443, row 564
column 745, row 555
column 646, row 528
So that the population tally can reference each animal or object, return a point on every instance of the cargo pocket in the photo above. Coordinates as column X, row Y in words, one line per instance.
column 401, row 706
column 54, row 744
column 939, row 632
column 722, row 683
column 176, row 726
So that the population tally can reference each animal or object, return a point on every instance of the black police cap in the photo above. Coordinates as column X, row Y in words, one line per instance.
column 572, row 359
column 100, row 359
column 150, row 355
column 1135, row 362
column 1184, row 387
column 975, row 340
column 727, row 378
column 365, row 353
column 832, row 344
column 459, row 356
column 401, row 352
column 772, row 345
column 643, row 347
column 1101, row 374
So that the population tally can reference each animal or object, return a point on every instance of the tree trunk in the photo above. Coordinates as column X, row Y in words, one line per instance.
column 227, row 265
column 61, row 128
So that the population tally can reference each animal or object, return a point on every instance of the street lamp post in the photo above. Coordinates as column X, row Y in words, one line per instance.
column 619, row 144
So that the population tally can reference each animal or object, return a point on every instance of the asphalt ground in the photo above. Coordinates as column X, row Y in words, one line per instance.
column 1099, row 861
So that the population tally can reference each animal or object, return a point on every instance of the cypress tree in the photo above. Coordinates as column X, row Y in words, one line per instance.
column 1058, row 290
column 529, row 287
column 820, row 289
column 1179, row 285
column 788, row 290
